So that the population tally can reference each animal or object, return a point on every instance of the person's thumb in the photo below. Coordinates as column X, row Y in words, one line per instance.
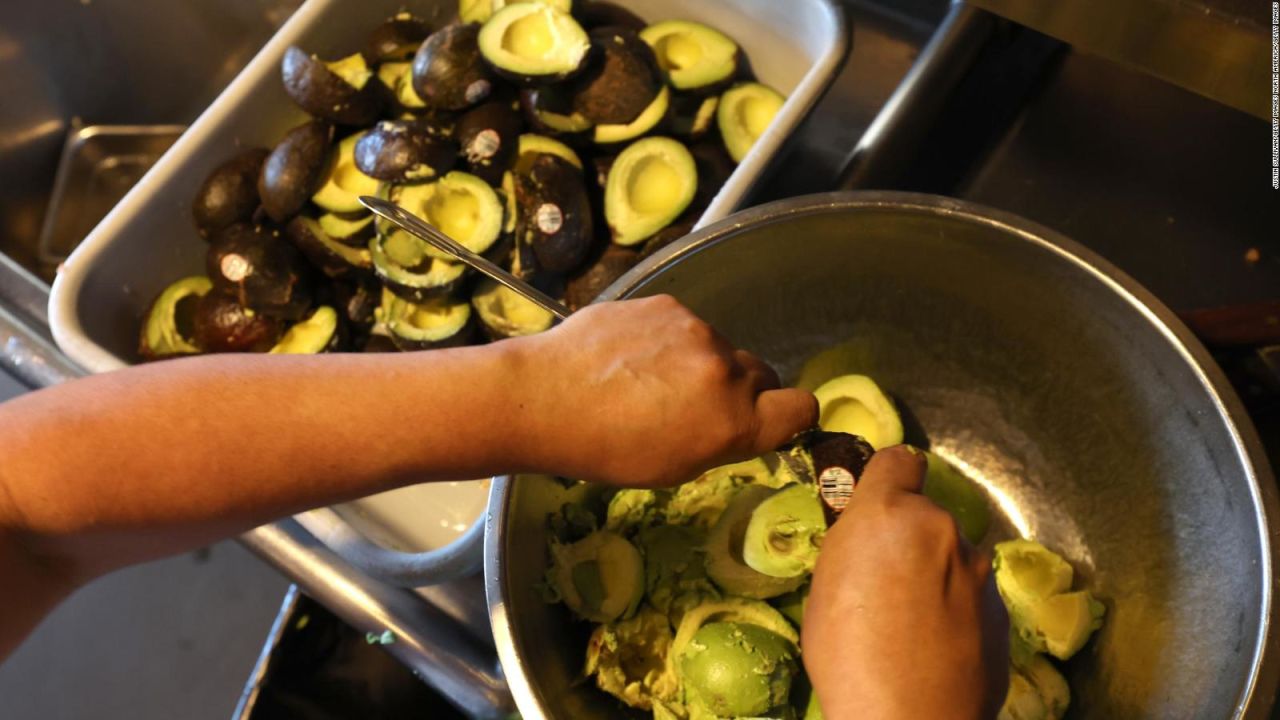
column 900, row 467
column 781, row 415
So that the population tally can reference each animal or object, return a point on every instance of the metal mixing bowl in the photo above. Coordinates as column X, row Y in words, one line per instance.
column 1096, row 422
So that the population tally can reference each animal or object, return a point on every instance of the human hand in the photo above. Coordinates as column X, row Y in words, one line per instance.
column 642, row 393
column 903, row 619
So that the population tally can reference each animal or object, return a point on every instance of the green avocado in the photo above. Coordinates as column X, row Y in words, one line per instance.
column 674, row 569
column 793, row 604
column 691, row 55
column 628, row 659
column 649, row 185
column 724, row 547
column 855, row 404
column 460, row 205
column 738, row 669
column 634, row 508
column 730, row 609
column 342, row 183
column 168, row 328
column 1037, row 691
column 533, row 42
column 648, row 119
column 315, row 334
column 1035, row 583
column 784, row 532
column 745, row 112
column 958, row 495
column 600, row 577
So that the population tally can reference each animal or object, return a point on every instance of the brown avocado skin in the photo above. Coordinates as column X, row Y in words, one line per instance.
column 555, row 214
column 224, row 325
column 487, row 137
column 447, row 71
column 322, row 93
column 394, row 150
column 589, row 282
column 552, row 99
column 621, row 80
column 230, row 193
column 260, row 269
column 303, row 232
column 669, row 234
column 594, row 15
column 292, row 171
column 714, row 168
column 396, row 39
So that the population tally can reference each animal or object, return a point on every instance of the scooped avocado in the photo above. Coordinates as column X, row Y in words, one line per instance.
column 292, row 172
column 533, row 43
column 260, row 269
column 224, row 325
column 338, row 91
column 334, row 258
column 507, row 314
column 693, row 56
column 402, row 263
column 675, row 575
column 649, row 185
column 352, row 230
column 230, row 193
column 854, row 404
column 1022, row 702
column 784, row 533
column 343, row 183
column 1035, row 584
column 724, row 547
column 631, row 509
column 398, row 79
column 436, row 323
column 403, row 150
column 958, row 495
column 1037, row 691
column 169, row 326
column 554, row 216
column 730, row 609
column 460, row 205
column 744, row 114
column 692, row 117
column 316, row 334
column 447, row 72
column 647, row 120
column 621, row 83
column 701, row 502
column 600, row 578
column 738, row 669
column 628, row 660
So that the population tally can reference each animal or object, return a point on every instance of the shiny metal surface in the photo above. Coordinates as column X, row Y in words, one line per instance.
column 1218, row 48
column 1096, row 423
column 420, row 229
column 29, row 357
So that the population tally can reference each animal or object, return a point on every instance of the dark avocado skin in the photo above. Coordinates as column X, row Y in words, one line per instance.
column 260, row 270
column 464, row 336
column 551, row 99
column 562, row 245
column 714, row 168
column 356, row 299
column 183, row 320
column 447, row 71
column 224, row 325
column 589, row 282
column 396, row 39
column 325, row 95
column 621, row 81
column 333, row 265
column 378, row 344
column 487, row 137
column 396, row 147
column 602, row 14
column 292, row 171
column 669, row 234
column 230, row 193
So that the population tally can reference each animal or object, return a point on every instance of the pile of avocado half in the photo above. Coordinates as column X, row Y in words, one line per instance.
column 697, row 594
column 563, row 140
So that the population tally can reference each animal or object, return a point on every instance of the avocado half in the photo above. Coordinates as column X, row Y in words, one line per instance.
column 402, row 151
column 337, row 91
column 554, row 216
column 343, row 183
column 621, row 82
column 549, row 112
column 316, row 334
column 403, row 265
column 647, row 120
column 260, row 269
column 224, row 325
column 432, row 324
column 396, row 38
column 693, row 56
column 293, row 169
column 725, row 542
column 487, row 136
column 533, row 43
column 397, row 76
column 744, row 114
column 600, row 577
column 855, row 404
column 649, row 185
column 169, row 326
column 335, row 258
column 460, row 205
column 738, row 669
column 230, row 193
column 784, row 532
column 506, row 314
column 447, row 72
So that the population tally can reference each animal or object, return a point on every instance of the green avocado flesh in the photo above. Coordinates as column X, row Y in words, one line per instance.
column 1035, row 583
column 507, row 314
column 650, row 184
column 1037, row 691
column 401, row 261
column 343, row 183
column 854, row 404
column 460, row 205
column 474, row 11
column 341, row 227
column 647, row 120
column 738, row 669
column 312, row 335
column 958, row 495
column 601, row 577
column 398, row 77
column 744, row 114
column 162, row 331
column 353, row 70
column 784, row 533
column 530, row 146
column 532, row 40
column 692, row 55
column 725, row 564
column 420, row 326
column 629, row 659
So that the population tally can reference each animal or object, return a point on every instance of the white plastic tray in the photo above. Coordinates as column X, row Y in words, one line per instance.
column 147, row 240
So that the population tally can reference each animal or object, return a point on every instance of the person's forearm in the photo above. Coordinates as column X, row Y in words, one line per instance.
column 165, row 457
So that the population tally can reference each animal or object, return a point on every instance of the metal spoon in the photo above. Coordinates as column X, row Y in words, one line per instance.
column 419, row 228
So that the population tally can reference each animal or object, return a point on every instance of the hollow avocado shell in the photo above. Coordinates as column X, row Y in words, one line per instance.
column 230, row 193
column 317, row 87
column 224, row 325
column 620, row 82
column 333, row 258
column 260, row 269
column 488, row 136
column 168, row 328
column 447, row 72
column 292, row 171
column 401, row 150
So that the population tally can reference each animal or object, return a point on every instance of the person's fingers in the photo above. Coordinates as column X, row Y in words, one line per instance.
column 900, row 467
column 783, row 414
column 762, row 376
